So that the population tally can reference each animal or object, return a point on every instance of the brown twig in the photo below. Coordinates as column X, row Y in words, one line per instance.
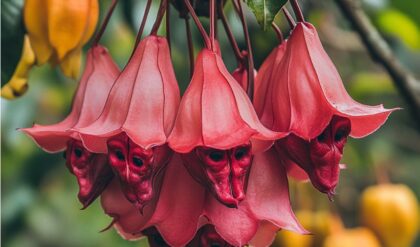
column 278, row 32
column 406, row 83
column 230, row 35
column 198, row 23
column 105, row 22
column 143, row 22
column 250, row 67
column 159, row 17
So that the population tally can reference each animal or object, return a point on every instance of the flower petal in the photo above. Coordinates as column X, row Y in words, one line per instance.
column 215, row 111
column 268, row 192
column 143, row 101
column 263, row 96
column 265, row 235
column 126, row 216
column 95, row 83
column 311, row 91
column 180, row 205
column 235, row 225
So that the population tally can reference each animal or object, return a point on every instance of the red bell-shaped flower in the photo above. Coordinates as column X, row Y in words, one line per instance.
column 90, row 97
column 92, row 170
column 215, row 111
column 136, row 120
column 214, row 127
column 302, row 92
column 143, row 102
column 308, row 91
column 266, row 204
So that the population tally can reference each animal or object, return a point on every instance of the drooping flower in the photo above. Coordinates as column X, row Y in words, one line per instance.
column 18, row 84
column 307, row 97
column 58, row 30
column 320, row 157
column 213, row 129
column 266, row 205
column 91, row 170
column 137, row 118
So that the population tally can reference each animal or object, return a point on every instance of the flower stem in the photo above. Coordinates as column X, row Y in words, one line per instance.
column 233, row 43
column 159, row 17
column 198, row 24
column 289, row 18
column 143, row 22
column 212, row 24
column 278, row 32
column 297, row 10
column 105, row 22
column 250, row 89
column 190, row 45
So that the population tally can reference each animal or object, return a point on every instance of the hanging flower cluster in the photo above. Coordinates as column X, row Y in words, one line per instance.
column 210, row 168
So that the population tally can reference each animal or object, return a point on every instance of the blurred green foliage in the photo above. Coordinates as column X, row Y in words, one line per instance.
column 39, row 203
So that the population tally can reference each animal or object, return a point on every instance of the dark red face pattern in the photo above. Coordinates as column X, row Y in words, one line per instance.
column 91, row 170
column 223, row 172
column 321, row 156
column 136, row 167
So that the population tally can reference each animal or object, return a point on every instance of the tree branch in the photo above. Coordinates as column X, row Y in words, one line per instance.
column 406, row 83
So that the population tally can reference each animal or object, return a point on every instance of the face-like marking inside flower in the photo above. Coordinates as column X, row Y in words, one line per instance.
column 321, row 156
column 223, row 172
column 91, row 170
column 136, row 167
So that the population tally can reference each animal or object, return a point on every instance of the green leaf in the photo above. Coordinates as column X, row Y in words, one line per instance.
column 265, row 10
column 12, row 33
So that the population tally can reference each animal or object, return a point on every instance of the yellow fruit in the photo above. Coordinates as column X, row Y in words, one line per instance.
column 391, row 211
column 357, row 237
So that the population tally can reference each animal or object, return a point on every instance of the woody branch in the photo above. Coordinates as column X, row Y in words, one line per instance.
column 406, row 83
